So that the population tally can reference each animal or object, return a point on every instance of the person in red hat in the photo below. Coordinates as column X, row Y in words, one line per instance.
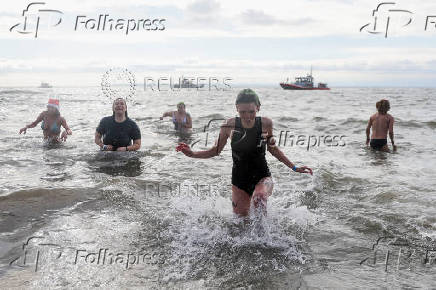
column 51, row 123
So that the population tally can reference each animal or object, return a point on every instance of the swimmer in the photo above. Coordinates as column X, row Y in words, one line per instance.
column 181, row 119
column 119, row 132
column 381, row 123
column 249, row 135
column 51, row 123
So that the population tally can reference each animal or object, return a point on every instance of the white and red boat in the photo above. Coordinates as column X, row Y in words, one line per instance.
column 304, row 83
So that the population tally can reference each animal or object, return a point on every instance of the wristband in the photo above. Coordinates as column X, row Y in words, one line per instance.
column 294, row 168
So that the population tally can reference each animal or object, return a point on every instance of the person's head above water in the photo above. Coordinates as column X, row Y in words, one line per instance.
column 247, row 96
column 383, row 106
column 53, row 106
column 119, row 106
column 247, row 104
column 181, row 107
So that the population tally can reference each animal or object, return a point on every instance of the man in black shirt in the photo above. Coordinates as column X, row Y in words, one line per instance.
column 118, row 131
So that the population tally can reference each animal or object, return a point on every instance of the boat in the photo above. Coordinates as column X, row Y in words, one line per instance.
column 304, row 83
column 186, row 84
column 44, row 85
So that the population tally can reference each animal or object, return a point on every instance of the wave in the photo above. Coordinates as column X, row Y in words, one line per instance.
column 417, row 124
column 18, row 92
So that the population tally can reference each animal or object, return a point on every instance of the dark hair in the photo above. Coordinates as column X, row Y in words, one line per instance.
column 125, row 103
column 383, row 106
column 247, row 96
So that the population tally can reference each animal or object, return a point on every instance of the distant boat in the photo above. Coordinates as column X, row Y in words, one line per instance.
column 45, row 85
column 186, row 84
column 304, row 83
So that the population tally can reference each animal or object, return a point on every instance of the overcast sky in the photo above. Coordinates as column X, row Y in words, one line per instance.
column 254, row 42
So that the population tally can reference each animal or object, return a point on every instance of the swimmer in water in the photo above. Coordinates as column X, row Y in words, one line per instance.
column 119, row 132
column 51, row 123
column 249, row 135
column 181, row 119
column 381, row 123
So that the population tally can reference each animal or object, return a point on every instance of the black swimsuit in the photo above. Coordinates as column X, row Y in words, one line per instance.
column 248, row 153
column 378, row 143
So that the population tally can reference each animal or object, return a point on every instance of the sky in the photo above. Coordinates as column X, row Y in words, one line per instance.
column 256, row 43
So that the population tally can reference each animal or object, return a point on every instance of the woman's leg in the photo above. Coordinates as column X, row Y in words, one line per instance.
column 240, row 201
column 262, row 191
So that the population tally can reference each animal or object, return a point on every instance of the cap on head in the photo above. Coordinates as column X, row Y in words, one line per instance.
column 247, row 96
column 53, row 103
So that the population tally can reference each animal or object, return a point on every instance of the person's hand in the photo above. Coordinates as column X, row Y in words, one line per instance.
column 304, row 169
column 161, row 118
column 122, row 148
column 23, row 130
column 185, row 149
column 69, row 132
column 394, row 148
column 367, row 142
column 107, row 148
column 64, row 136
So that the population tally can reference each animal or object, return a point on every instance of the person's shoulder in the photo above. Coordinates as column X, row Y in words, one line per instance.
column 266, row 121
column 390, row 116
column 107, row 118
column 132, row 122
column 229, row 122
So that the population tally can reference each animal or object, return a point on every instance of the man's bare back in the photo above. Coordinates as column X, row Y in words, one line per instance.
column 381, row 124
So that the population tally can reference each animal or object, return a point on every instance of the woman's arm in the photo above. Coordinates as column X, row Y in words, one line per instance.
column 216, row 149
column 166, row 114
column 275, row 150
column 67, row 130
column 135, row 146
column 99, row 142
column 33, row 124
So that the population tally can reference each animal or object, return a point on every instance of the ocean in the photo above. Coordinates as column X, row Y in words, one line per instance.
column 74, row 217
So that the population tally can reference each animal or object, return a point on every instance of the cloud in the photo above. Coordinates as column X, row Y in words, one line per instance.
column 204, row 7
column 258, row 17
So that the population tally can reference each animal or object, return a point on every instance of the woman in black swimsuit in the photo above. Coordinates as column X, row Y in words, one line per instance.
column 249, row 135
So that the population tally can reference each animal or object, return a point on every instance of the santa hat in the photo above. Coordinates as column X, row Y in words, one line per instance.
column 53, row 103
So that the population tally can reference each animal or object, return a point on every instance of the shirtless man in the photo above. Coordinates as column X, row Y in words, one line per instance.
column 381, row 122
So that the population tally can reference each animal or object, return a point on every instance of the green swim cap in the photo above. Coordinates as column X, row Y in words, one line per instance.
column 247, row 96
column 181, row 103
